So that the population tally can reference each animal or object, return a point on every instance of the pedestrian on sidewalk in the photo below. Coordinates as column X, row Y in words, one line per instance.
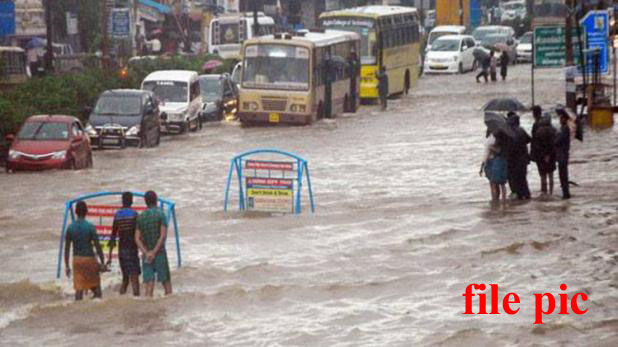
column 383, row 86
column 504, row 64
column 563, row 145
column 124, row 226
column 83, row 236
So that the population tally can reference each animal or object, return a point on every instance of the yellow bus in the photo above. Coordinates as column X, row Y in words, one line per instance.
column 297, row 78
column 389, row 37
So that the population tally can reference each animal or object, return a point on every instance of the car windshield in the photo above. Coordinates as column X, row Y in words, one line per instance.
column 364, row 28
column 47, row 131
column 494, row 39
column 168, row 91
column 527, row 38
column 118, row 105
column 514, row 6
column 434, row 35
column 445, row 46
column 480, row 33
column 210, row 88
column 276, row 66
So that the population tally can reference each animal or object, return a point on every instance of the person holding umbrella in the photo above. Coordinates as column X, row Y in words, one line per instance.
column 504, row 64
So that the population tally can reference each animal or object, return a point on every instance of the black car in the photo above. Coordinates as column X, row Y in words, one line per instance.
column 219, row 96
column 124, row 117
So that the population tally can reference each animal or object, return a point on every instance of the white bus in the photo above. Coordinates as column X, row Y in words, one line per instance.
column 228, row 32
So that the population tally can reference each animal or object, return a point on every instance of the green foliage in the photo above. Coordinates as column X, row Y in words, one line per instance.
column 69, row 94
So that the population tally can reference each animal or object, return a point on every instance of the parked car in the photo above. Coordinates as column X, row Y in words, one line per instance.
column 50, row 142
column 524, row 48
column 124, row 117
column 178, row 93
column 219, row 96
column 443, row 30
column 451, row 54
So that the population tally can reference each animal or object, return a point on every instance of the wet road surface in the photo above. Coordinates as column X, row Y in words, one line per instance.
column 403, row 224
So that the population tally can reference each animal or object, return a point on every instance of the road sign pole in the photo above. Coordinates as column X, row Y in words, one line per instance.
column 570, row 79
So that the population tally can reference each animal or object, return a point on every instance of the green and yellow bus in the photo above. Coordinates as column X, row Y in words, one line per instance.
column 389, row 37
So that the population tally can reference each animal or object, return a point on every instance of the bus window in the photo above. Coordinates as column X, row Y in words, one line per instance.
column 276, row 66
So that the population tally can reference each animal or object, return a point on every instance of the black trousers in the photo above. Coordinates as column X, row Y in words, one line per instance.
column 518, row 180
column 383, row 101
column 483, row 74
column 563, row 172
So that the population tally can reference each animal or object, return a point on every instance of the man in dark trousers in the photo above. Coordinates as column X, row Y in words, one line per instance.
column 563, row 145
column 383, row 87
column 518, row 158
column 124, row 227
column 542, row 150
column 485, row 63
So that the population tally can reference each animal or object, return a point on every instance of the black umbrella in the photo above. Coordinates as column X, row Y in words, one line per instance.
column 496, row 124
column 480, row 54
column 504, row 105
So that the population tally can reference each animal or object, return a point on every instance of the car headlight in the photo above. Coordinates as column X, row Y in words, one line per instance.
column 133, row 131
column 13, row 154
column 59, row 155
column 250, row 105
column 90, row 130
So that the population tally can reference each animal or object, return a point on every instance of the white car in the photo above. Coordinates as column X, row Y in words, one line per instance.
column 443, row 30
column 451, row 54
column 524, row 48
column 513, row 9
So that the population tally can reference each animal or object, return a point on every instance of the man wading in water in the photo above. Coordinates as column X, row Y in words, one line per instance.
column 383, row 87
column 82, row 234
column 124, row 226
column 150, row 238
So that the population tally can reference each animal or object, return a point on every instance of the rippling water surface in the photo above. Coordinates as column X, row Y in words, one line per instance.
column 403, row 224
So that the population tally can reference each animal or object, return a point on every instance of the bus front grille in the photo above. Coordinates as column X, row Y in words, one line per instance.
column 274, row 104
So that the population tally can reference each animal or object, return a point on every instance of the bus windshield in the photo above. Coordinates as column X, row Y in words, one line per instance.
column 168, row 91
column 364, row 28
column 229, row 33
column 276, row 66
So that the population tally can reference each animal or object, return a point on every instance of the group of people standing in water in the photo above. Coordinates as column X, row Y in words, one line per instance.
column 507, row 157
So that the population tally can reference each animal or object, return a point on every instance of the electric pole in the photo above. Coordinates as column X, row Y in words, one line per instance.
column 49, row 56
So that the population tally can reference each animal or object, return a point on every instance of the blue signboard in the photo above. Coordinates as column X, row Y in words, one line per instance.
column 7, row 18
column 121, row 23
column 596, row 26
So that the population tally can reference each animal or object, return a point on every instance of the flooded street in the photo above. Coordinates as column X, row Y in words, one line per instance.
column 403, row 224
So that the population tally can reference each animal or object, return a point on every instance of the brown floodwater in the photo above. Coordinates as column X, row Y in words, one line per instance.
column 403, row 224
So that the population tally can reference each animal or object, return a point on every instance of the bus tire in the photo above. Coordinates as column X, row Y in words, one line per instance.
column 406, row 83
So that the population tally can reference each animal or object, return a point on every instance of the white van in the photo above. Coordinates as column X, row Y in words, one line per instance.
column 178, row 92
column 443, row 30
